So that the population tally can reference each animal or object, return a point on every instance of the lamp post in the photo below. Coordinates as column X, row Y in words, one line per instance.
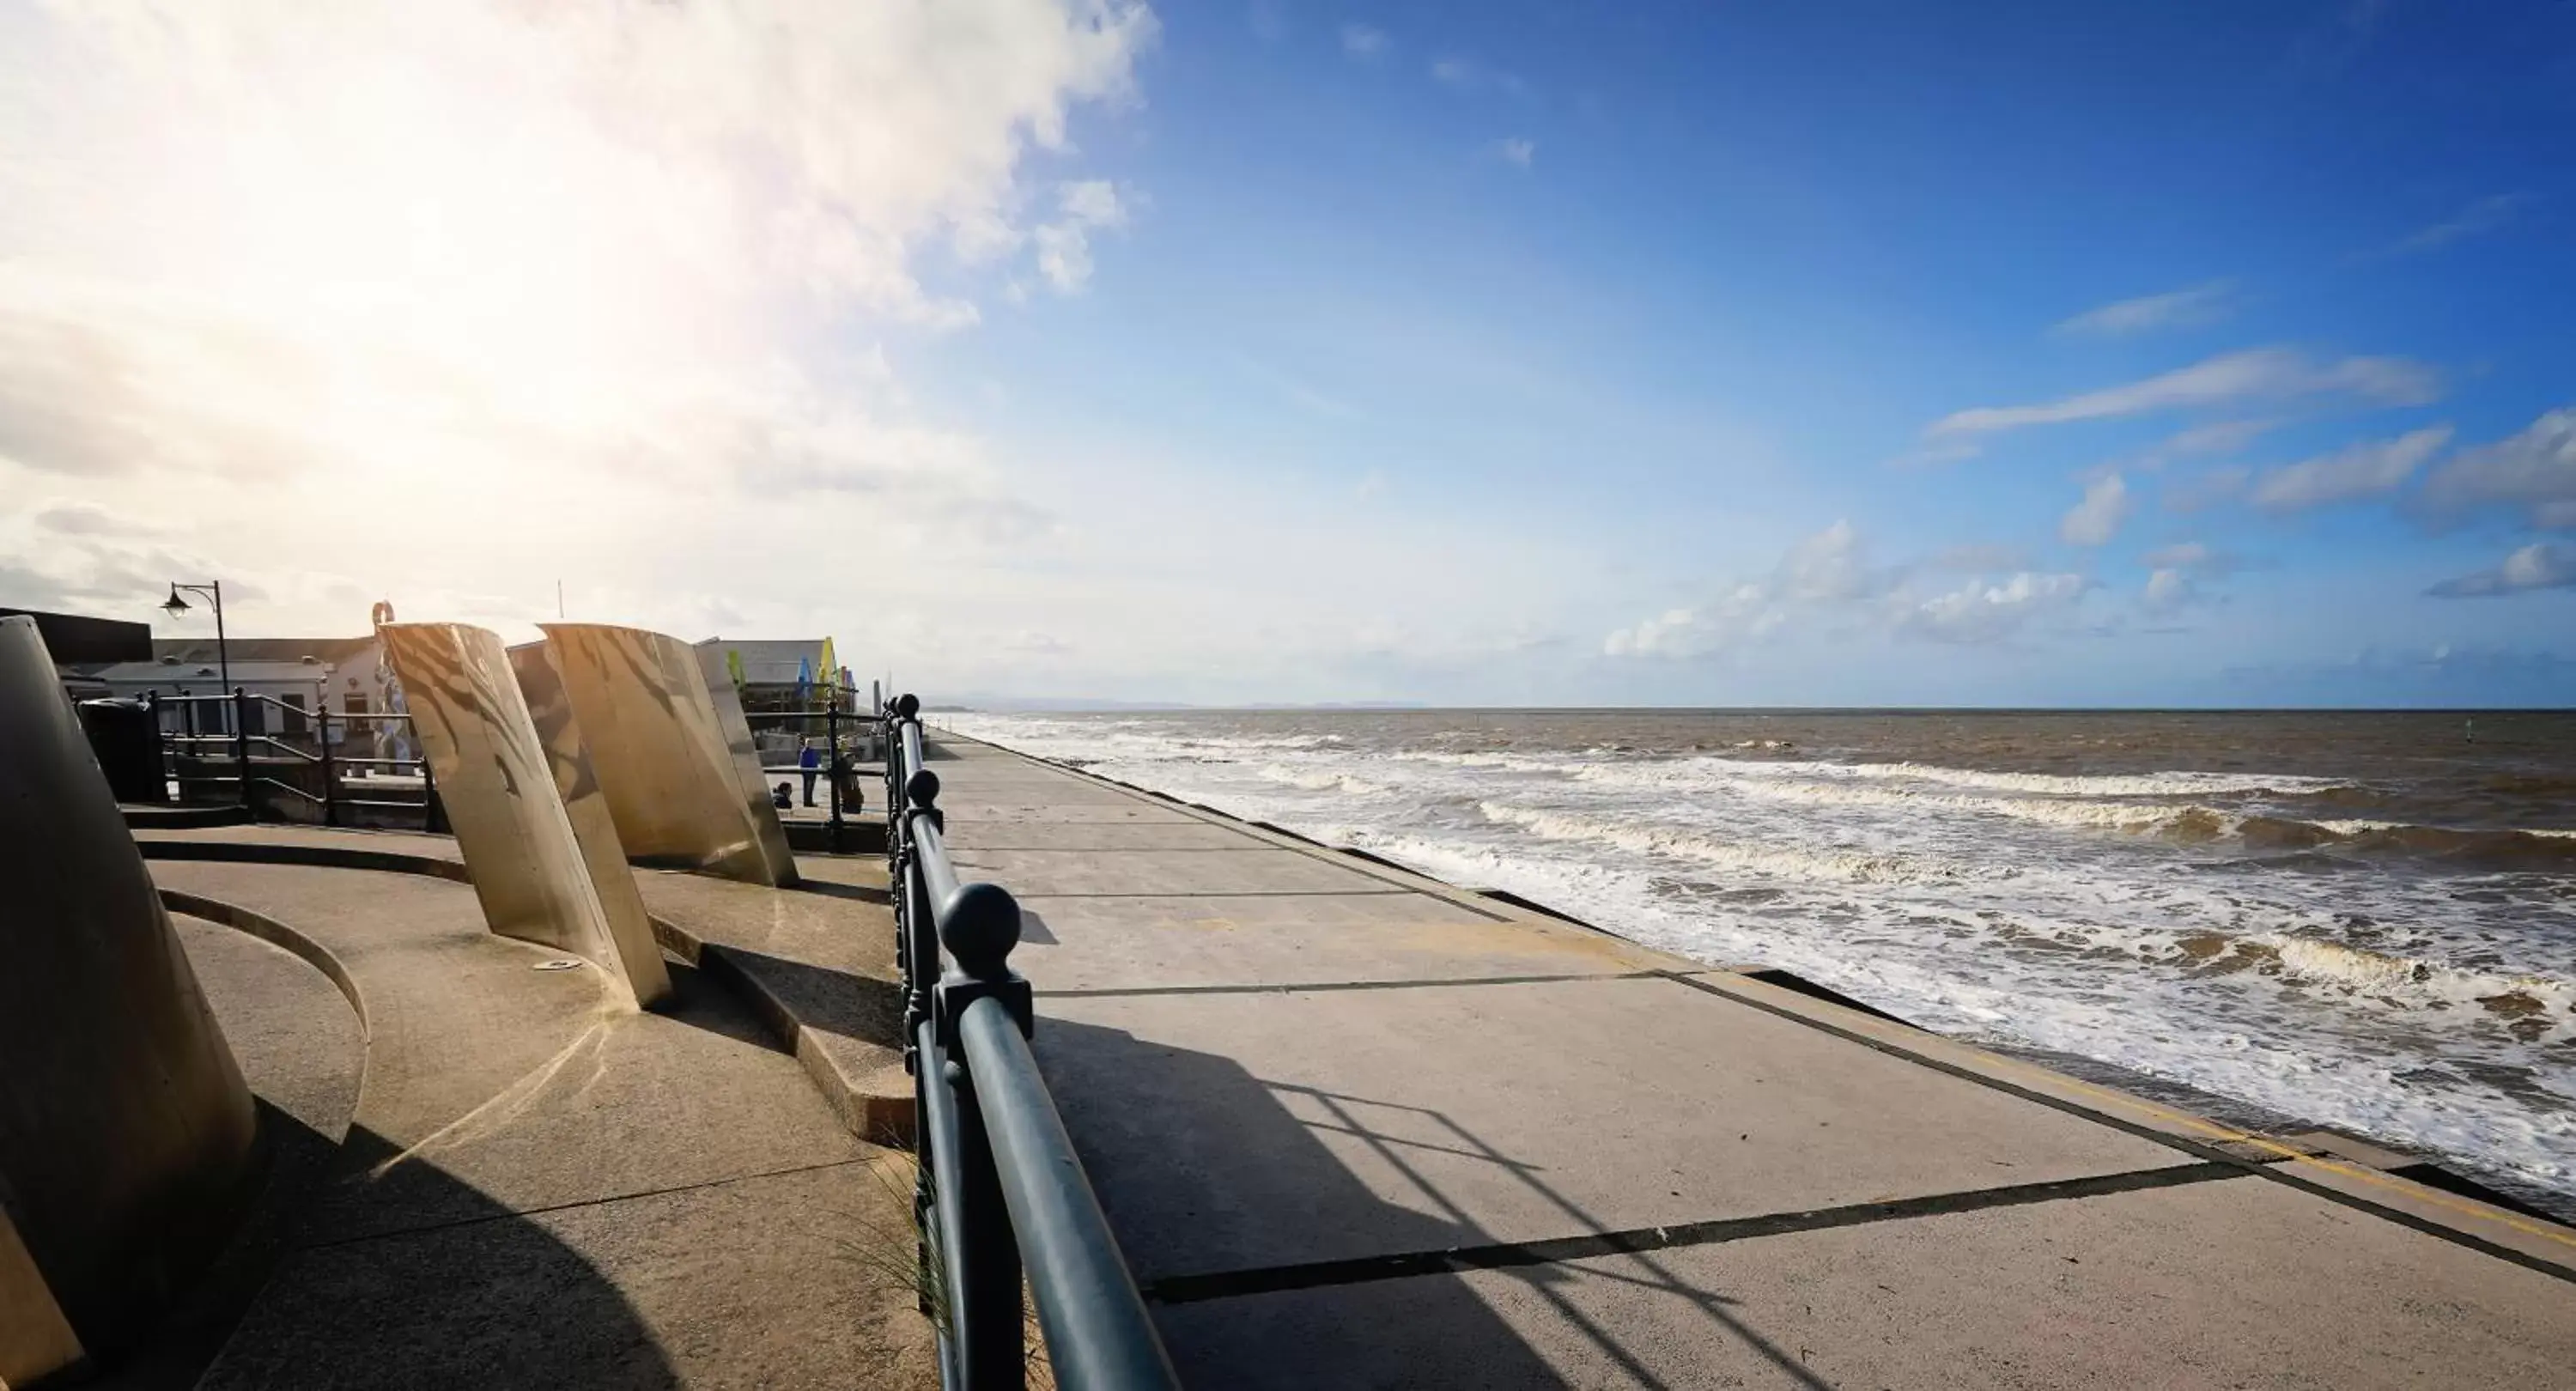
column 214, row 589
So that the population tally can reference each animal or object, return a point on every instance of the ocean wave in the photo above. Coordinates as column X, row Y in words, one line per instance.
column 1837, row 863
column 2492, row 848
column 1320, row 780
column 2544, row 1000
column 1719, row 771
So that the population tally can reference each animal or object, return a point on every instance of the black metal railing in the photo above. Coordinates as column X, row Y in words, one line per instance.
column 1000, row 1188
column 197, row 734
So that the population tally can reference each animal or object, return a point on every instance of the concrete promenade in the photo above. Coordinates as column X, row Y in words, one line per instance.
column 1358, row 1128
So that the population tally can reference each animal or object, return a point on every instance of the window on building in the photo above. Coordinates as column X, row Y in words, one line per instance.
column 292, row 718
column 355, row 702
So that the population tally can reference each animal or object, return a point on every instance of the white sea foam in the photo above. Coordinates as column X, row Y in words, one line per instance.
column 1320, row 780
column 1842, row 864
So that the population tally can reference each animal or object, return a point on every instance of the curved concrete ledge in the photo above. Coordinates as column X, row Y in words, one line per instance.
column 279, row 935
column 309, row 856
column 144, row 817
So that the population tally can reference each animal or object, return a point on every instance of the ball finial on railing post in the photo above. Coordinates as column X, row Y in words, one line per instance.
column 906, row 706
column 922, row 789
column 979, row 926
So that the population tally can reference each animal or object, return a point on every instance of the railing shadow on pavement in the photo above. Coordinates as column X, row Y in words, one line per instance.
column 1303, row 1271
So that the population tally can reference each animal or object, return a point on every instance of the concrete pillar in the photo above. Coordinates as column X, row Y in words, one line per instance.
column 499, row 789
column 670, row 762
column 126, row 1132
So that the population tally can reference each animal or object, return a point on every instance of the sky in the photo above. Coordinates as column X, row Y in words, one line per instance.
column 1508, row 353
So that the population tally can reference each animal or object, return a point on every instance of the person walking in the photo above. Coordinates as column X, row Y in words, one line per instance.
column 810, row 763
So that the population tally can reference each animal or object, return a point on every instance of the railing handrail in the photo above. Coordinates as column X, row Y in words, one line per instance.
column 991, row 1135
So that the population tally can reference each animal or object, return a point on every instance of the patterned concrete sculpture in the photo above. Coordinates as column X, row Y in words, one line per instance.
column 577, row 783
column 126, row 1131
column 499, row 786
column 674, row 759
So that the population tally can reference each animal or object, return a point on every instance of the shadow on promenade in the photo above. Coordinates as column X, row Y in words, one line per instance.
column 487, row 1297
column 1261, row 1247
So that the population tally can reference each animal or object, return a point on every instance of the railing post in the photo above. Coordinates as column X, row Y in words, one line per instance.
column 431, row 821
column 241, row 748
column 979, row 924
column 330, row 776
column 832, row 766
column 920, row 930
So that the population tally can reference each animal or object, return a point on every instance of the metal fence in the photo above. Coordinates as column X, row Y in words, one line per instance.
column 1000, row 1188
column 218, row 749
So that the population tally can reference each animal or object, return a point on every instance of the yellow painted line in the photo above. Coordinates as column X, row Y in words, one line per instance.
column 2415, row 1192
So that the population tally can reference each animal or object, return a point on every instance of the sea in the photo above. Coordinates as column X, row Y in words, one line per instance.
column 2365, row 921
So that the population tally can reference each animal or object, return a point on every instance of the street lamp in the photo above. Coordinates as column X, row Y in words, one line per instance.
column 175, row 606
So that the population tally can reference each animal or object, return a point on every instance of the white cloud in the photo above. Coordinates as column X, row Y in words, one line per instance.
column 1364, row 42
column 2194, row 558
column 2541, row 565
column 2483, row 216
column 1978, row 612
column 1064, row 246
column 2168, row 590
column 2535, row 469
column 2229, row 379
column 1516, row 151
column 2368, row 469
column 1826, row 569
column 1740, row 615
column 2096, row 519
column 1823, row 585
column 2218, row 437
column 2186, row 308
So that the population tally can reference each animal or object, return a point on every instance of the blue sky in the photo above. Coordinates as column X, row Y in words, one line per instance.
column 1513, row 352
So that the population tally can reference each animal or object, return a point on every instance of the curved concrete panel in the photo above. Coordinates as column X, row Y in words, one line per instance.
column 126, row 1131
column 498, row 786
column 577, row 783
column 664, row 756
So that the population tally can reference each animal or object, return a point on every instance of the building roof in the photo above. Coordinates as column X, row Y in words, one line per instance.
column 206, row 674
column 772, row 661
column 72, row 639
column 336, row 651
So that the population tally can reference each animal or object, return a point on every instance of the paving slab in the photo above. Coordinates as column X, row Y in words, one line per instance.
column 2232, row 1284
column 1332, row 1125
column 1150, row 943
column 985, row 834
column 1253, row 870
column 1097, row 811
